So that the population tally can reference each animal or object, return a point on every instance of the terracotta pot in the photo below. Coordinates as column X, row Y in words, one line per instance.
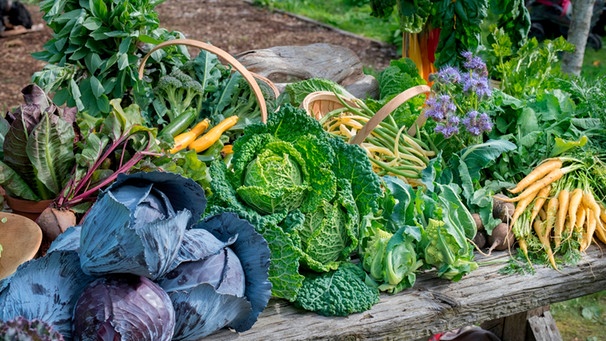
column 27, row 208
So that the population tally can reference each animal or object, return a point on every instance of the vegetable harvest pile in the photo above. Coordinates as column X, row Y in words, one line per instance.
column 193, row 211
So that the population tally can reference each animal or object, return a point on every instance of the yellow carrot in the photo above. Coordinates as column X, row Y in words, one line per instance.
column 554, row 175
column 184, row 139
column 581, row 218
column 593, row 216
column 211, row 136
column 600, row 230
column 543, row 213
column 521, row 230
column 540, row 228
column 537, row 173
column 558, row 229
column 589, row 201
column 552, row 210
column 521, row 206
column 587, row 233
column 540, row 201
column 573, row 206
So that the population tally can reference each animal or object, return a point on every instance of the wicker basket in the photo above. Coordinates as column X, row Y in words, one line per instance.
column 249, row 76
column 319, row 103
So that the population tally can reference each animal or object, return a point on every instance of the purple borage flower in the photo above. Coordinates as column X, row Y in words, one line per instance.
column 477, row 123
column 440, row 107
column 457, row 98
column 449, row 75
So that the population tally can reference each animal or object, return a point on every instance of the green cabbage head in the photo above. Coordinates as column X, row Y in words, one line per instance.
column 275, row 180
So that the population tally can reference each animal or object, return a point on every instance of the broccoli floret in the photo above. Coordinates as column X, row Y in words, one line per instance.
column 177, row 92
column 337, row 293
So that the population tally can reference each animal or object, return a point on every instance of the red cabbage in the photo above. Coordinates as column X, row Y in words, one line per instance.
column 124, row 307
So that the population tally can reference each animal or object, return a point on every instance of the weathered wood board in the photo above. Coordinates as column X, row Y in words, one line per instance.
column 435, row 305
column 286, row 64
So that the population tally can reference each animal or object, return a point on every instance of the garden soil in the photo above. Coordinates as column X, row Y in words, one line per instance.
column 232, row 25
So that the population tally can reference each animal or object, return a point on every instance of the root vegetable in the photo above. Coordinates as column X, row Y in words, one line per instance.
column 550, row 178
column 573, row 206
column 558, row 228
column 541, row 230
column 478, row 222
column 587, row 234
column 540, row 201
column 537, row 173
column 501, row 209
column 501, row 238
column 480, row 239
column 600, row 230
column 522, row 205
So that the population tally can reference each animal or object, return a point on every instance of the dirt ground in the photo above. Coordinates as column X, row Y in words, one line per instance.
column 233, row 25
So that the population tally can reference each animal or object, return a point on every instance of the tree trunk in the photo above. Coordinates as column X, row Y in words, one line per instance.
column 578, row 32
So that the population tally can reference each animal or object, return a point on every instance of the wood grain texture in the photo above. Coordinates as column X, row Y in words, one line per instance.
column 435, row 305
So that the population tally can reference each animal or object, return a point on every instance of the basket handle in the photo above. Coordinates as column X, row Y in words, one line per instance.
column 387, row 109
column 224, row 55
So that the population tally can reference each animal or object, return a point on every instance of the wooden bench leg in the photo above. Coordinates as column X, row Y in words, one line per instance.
column 533, row 325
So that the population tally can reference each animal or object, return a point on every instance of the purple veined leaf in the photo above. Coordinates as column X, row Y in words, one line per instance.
column 45, row 288
column 222, row 280
column 137, row 224
column 253, row 252
column 183, row 193
column 201, row 312
column 69, row 240
column 124, row 307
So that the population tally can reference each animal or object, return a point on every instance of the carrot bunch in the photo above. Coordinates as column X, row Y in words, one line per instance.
column 555, row 203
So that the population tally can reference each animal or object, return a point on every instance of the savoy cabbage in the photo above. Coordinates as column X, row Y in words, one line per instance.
column 305, row 191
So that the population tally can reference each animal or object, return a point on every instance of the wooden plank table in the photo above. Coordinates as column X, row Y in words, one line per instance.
column 434, row 305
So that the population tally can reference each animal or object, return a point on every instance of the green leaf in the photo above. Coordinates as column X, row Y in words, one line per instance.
column 92, row 23
column 125, row 46
column 284, row 267
column 122, row 61
column 478, row 156
column 93, row 62
column 15, row 185
column 99, row 9
column 96, row 86
column 51, row 152
column 76, row 94
column 561, row 146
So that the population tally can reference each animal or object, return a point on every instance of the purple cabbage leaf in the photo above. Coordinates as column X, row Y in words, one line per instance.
column 137, row 224
column 222, row 280
column 124, row 307
column 45, row 288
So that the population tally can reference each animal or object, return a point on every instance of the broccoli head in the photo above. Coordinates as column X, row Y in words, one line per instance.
column 177, row 92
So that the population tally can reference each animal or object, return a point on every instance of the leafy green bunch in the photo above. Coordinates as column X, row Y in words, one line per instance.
column 303, row 189
column 527, row 70
column 94, row 51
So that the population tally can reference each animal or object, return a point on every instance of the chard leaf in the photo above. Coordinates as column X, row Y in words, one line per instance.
column 16, row 140
column 15, row 185
column 561, row 146
column 51, row 152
